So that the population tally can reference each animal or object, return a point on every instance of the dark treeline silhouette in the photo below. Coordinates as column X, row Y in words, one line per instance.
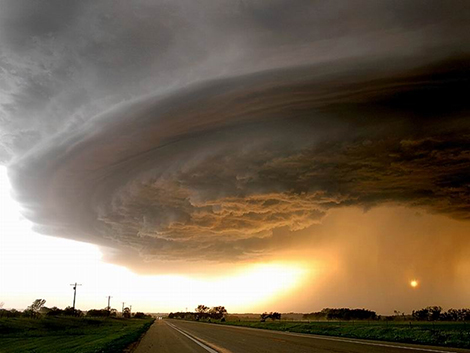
column 44, row 311
column 430, row 313
column 38, row 309
column 342, row 314
column 272, row 315
column 202, row 312
column 435, row 313
column 68, row 311
column 102, row 313
column 10, row 313
column 141, row 315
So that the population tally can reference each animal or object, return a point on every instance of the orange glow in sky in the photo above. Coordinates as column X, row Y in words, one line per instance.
column 307, row 277
column 37, row 266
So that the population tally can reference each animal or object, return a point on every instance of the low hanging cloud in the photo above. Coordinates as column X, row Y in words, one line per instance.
column 183, row 176
column 192, row 131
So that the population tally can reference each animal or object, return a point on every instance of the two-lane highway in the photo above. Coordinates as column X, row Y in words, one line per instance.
column 175, row 336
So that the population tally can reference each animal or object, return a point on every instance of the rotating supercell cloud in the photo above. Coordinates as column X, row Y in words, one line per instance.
column 196, row 131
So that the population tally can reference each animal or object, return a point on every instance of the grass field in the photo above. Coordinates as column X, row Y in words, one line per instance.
column 69, row 334
column 446, row 334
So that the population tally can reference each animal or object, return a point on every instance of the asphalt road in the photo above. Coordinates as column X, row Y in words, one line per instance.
column 174, row 336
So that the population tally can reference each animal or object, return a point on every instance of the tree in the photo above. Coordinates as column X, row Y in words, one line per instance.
column 217, row 312
column 35, row 307
column 140, row 315
column 276, row 316
column 420, row 315
column 99, row 312
column 202, row 312
column 54, row 311
column 126, row 313
column 69, row 311
column 202, row 309
column 348, row 314
column 434, row 312
column 430, row 313
column 10, row 313
column 272, row 315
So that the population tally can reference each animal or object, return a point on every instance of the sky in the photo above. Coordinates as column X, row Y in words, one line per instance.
column 262, row 155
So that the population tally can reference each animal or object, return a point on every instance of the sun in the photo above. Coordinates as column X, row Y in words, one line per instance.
column 414, row 283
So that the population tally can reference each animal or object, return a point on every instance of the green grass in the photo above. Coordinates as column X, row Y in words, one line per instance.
column 69, row 334
column 446, row 334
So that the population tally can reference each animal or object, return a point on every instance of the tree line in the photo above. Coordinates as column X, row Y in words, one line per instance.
column 341, row 314
column 38, row 309
column 429, row 313
column 202, row 312
column 435, row 313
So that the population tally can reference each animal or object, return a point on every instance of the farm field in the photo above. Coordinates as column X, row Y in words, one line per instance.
column 69, row 334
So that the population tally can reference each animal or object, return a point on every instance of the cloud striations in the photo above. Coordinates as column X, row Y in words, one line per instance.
column 189, row 131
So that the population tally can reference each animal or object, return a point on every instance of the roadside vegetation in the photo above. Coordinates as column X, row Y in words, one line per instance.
column 447, row 334
column 44, row 330
column 429, row 326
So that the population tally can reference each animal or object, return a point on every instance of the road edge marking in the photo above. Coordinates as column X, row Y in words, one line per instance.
column 347, row 340
column 207, row 348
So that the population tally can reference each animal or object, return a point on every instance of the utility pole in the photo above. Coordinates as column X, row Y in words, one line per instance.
column 122, row 307
column 74, row 293
column 109, row 302
column 130, row 310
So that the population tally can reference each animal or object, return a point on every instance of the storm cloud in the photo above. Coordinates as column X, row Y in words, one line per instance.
column 197, row 131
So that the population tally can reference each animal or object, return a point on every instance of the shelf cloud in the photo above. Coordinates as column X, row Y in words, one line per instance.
column 192, row 131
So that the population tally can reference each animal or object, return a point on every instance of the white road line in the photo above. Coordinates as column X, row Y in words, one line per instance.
column 342, row 340
column 207, row 348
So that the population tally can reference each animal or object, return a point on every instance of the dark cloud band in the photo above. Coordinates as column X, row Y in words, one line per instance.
column 194, row 129
column 210, row 171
